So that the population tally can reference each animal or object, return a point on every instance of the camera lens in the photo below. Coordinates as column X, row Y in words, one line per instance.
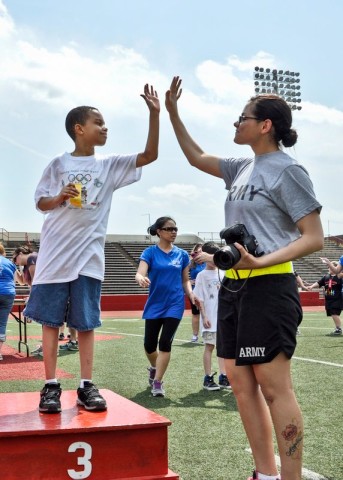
column 226, row 257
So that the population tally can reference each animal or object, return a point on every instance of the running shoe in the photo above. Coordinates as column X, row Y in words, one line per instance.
column 255, row 476
column 50, row 398
column 90, row 398
column 157, row 389
column 152, row 373
column 72, row 346
column 224, row 381
column 337, row 331
column 38, row 351
column 209, row 383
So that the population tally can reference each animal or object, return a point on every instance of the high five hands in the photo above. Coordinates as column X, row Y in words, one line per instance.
column 151, row 98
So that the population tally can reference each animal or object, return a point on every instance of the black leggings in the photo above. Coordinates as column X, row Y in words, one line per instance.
column 152, row 330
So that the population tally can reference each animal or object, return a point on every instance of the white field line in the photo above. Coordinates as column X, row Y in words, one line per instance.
column 306, row 474
column 319, row 361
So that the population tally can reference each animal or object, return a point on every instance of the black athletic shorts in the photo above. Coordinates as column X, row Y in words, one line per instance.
column 258, row 318
column 195, row 310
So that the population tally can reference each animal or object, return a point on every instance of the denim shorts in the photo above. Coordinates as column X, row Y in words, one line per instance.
column 77, row 303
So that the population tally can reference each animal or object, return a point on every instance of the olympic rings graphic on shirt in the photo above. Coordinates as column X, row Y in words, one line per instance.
column 97, row 183
column 80, row 178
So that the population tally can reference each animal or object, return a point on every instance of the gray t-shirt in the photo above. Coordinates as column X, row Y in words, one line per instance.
column 268, row 194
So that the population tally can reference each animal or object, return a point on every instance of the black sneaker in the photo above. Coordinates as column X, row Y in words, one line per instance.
column 90, row 398
column 337, row 331
column 50, row 398
column 224, row 381
column 209, row 383
column 71, row 345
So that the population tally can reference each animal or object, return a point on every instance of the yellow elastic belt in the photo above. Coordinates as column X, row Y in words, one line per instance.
column 286, row 267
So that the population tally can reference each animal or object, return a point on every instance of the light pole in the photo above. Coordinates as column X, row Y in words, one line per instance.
column 284, row 83
column 149, row 224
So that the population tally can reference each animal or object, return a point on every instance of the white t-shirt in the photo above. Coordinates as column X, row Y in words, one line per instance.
column 207, row 284
column 72, row 238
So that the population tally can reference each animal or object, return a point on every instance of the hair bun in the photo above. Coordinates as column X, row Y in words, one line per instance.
column 289, row 138
column 152, row 230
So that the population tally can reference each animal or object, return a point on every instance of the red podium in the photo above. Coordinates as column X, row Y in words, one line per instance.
column 127, row 442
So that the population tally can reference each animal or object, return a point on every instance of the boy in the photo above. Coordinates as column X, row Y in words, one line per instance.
column 332, row 283
column 76, row 189
column 207, row 284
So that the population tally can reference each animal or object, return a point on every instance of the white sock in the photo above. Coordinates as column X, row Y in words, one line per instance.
column 82, row 382
column 261, row 476
column 51, row 380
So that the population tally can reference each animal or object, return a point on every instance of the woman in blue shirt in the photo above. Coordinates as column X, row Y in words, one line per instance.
column 164, row 268
column 7, row 293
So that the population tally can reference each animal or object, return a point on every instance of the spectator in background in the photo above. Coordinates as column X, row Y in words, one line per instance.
column 164, row 268
column 194, row 269
column 25, row 258
column 7, row 293
column 332, row 284
column 206, row 290
column 300, row 282
column 335, row 267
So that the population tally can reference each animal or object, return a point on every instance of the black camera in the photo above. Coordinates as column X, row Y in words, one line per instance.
column 227, row 256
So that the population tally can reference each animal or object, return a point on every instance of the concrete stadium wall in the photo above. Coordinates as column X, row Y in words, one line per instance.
column 137, row 302
column 311, row 299
column 123, row 302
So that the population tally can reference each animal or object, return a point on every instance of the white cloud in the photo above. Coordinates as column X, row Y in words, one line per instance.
column 177, row 191
column 6, row 23
column 319, row 114
column 47, row 82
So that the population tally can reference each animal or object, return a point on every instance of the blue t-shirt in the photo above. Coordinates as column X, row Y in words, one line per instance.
column 7, row 269
column 193, row 271
column 341, row 260
column 166, row 295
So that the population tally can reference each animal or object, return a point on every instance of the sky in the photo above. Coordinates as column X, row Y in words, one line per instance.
column 58, row 55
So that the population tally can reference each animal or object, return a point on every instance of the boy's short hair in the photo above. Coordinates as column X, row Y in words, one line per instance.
column 210, row 247
column 77, row 115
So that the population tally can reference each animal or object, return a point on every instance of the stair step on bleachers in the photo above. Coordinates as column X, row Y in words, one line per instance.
column 126, row 442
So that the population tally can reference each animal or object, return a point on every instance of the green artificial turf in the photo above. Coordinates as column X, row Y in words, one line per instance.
column 206, row 439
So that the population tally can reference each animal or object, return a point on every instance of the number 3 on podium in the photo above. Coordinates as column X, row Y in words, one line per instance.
column 83, row 460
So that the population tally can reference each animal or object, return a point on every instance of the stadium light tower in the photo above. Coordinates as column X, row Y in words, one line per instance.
column 281, row 82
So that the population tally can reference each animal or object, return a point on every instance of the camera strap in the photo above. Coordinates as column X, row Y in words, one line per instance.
column 240, row 288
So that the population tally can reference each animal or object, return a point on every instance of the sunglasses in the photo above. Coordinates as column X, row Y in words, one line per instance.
column 242, row 118
column 169, row 229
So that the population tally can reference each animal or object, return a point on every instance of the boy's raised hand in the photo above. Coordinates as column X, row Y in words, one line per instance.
column 173, row 94
column 151, row 98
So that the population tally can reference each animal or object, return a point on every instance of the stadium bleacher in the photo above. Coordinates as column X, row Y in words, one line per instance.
column 122, row 257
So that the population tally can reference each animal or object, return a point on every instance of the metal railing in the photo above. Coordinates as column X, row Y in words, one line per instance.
column 4, row 235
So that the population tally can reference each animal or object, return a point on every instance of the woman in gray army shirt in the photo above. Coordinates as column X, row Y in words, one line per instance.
column 259, row 308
